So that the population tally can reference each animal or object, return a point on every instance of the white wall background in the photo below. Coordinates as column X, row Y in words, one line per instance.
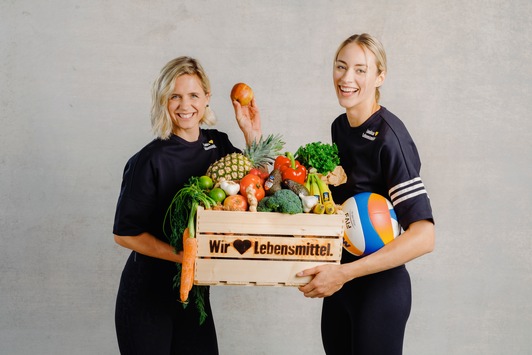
column 75, row 80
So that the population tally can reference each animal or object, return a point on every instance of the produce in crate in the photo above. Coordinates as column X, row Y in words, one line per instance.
column 252, row 198
column 308, row 202
column 290, row 168
column 296, row 187
column 273, row 182
column 326, row 196
column 284, row 201
column 256, row 182
column 236, row 203
column 312, row 186
column 259, row 154
column 318, row 187
column 321, row 156
column 218, row 195
column 230, row 187
column 262, row 173
column 318, row 208
column 179, row 218
column 190, row 249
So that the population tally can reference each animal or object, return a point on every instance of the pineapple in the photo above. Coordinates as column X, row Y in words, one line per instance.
column 235, row 166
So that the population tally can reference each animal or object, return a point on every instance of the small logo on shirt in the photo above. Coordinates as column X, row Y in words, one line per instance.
column 209, row 145
column 370, row 135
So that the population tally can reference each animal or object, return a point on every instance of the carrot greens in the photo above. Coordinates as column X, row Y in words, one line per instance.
column 180, row 216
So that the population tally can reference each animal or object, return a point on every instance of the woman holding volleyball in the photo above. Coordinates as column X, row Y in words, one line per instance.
column 367, row 299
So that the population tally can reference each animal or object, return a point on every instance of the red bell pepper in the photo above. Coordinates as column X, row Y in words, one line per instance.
column 290, row 168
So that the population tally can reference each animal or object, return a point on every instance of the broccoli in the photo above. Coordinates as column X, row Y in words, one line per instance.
column 284, row 201
column 261, row 207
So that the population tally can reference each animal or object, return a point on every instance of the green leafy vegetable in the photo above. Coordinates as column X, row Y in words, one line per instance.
column 321, row 156
column 180, row 215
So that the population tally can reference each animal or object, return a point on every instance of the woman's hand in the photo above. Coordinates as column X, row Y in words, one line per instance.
column 417, row 240
column 248, row 119
column 327, row 280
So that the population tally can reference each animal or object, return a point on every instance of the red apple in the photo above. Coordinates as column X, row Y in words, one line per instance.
column 242, row 93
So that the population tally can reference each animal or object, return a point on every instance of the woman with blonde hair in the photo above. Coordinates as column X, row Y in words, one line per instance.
column 149, row 318
column 367, row 299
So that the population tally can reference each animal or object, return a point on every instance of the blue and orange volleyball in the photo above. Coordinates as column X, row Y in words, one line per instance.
column 370, row 223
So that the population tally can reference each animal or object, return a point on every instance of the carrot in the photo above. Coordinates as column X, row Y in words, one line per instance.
column 190, row 249
column 180, row 218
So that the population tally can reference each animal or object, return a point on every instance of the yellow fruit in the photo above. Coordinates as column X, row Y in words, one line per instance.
column 235, row 166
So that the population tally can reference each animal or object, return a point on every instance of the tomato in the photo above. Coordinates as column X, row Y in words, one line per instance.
column 242, row 93
column 236, row 203
column 263, row 174
column 256, row 182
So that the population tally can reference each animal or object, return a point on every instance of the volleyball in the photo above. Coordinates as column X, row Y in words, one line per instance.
column 370, row 223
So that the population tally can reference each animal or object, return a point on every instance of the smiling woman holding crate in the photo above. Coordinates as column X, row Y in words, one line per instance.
column 367, row 300
column 149, row 318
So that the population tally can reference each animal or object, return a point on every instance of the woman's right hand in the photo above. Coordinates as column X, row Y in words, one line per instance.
column 248, row 119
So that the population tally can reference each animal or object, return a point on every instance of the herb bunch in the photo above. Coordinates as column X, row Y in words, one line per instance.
column 321, row 156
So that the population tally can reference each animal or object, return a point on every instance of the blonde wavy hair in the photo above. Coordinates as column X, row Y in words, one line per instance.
column 161, row 120
column 372, row 44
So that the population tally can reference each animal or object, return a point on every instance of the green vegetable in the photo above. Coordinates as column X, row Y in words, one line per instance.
column 284, row 201
column 180, row 215
column 321, row 156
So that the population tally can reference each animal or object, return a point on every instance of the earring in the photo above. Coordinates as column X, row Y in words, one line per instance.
column 209, row 118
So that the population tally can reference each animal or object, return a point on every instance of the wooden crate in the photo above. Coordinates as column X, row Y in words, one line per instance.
column 264, row 248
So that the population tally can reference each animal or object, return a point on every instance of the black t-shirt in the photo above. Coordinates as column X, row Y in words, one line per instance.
column 154, row 175
column 380, row 156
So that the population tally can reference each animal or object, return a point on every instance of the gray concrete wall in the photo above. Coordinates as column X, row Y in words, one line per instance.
column 75, row 96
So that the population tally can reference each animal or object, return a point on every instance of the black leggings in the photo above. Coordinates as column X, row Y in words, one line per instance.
column 368, row 315
column 149, row 318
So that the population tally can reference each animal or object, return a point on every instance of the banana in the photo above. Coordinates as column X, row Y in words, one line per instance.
column 319, row 208
column 330, row 207
column 314, row 188
column 307, row 184
column 326, row 196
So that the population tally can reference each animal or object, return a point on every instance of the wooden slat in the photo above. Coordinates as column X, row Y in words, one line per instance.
column 251, row 272
column 270, row 247
column 269, row 223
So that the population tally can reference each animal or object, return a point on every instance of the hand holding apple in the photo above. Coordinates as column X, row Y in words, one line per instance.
column 246, row 112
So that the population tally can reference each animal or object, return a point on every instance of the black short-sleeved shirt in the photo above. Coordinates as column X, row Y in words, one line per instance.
column 380, row 156
column 153, row 176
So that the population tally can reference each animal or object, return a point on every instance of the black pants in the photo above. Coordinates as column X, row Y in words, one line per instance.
column 368, row 315
column 149, row 318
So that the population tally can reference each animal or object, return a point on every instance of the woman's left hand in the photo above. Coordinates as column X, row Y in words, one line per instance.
column 248, row 119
